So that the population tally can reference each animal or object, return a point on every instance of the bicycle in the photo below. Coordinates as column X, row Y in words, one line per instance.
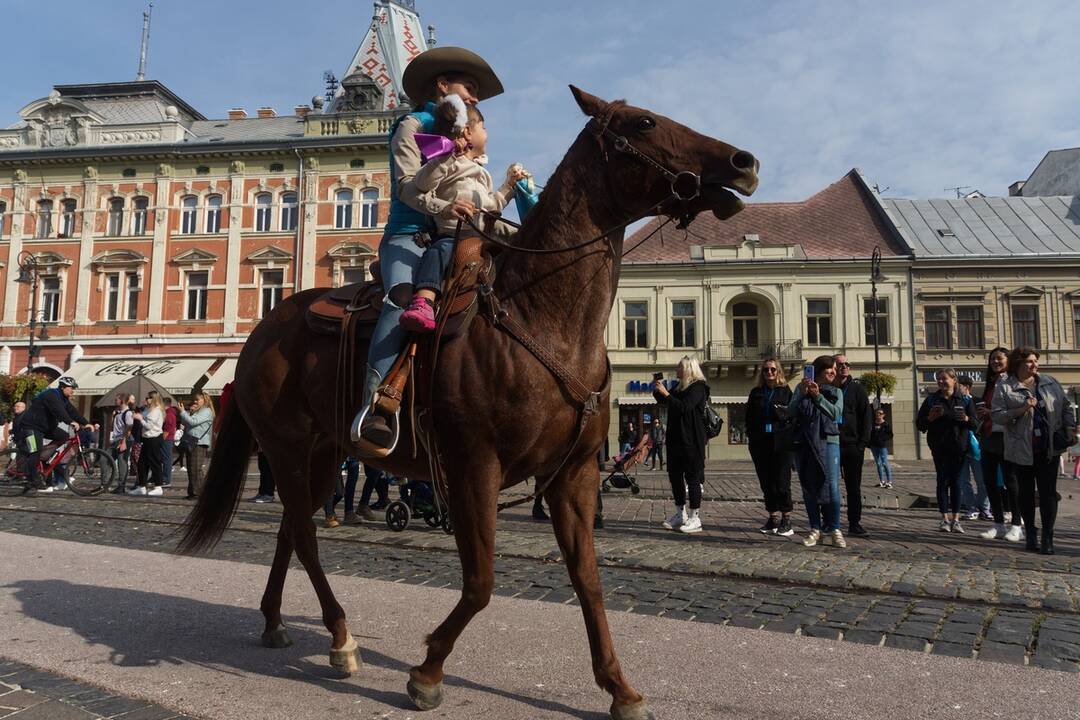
column 87, row 471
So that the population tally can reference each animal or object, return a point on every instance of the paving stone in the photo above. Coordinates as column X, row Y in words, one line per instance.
column 953, row 649
column 1052, row 662
column 822, row 631
column 788, row 624
column 746, row 621
column 1000, row 652
column 916, row 629
column 906, row 642
column 904, row 588
column 865, row 637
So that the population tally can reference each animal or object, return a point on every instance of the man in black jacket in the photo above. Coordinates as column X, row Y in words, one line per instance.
column 858, row 419
column 50, row 416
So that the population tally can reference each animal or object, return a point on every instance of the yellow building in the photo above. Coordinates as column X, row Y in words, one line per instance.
column 790, row 280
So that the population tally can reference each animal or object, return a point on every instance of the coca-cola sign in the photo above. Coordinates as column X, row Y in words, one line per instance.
column 127, row 367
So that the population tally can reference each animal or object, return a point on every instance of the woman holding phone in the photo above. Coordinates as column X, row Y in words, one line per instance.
column 685, row 441
column 948, row 419
column 816, row 405
column 1000, row 486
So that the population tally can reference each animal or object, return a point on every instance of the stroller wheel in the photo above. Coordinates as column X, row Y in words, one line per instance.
column 447, row 526
column 432, row 519
column 634, row 489
column 397, row 516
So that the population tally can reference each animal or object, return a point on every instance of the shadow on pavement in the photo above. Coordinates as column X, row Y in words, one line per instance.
column 146, row 629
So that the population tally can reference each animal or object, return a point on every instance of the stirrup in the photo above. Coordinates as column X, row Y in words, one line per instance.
column 367, row 449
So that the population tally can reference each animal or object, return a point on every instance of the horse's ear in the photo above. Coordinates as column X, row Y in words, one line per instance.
column 589, row 104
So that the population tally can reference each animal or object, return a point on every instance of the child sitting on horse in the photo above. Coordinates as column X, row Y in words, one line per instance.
column 455, row 170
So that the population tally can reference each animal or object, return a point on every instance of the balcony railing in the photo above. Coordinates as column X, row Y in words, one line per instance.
column 730, row 352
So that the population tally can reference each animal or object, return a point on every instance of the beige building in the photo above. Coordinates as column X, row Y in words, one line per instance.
column 790, row 280
column 994, row 271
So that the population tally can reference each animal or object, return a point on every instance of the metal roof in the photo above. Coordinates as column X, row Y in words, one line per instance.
column 287, row 127
column 988, row 226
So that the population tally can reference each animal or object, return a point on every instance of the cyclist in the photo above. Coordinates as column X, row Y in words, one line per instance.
column 51, row 416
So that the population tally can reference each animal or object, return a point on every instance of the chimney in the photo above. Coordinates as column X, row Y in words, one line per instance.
column 1017, row 188
column 301, row 110
column 266, row 112
column 237, row 114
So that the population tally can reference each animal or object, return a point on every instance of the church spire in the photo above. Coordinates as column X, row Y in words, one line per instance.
column 394, row 38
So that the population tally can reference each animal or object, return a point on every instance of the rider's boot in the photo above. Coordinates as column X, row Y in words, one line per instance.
column 374, row 428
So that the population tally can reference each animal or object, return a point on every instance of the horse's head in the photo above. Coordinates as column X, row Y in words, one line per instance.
column 657, row 166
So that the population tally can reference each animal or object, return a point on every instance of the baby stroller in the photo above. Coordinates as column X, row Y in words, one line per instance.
column 618, row 477
column 417, row 500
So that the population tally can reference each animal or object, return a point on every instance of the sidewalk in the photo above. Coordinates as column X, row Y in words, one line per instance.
column 183, row 633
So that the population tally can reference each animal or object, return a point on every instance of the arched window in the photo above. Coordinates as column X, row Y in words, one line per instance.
column 263, row 212
column 44, row 219
column 67, row 218
column 213, row 213
column 189, row 207
column 369, row 208
column 289, row 211
column 138, row 215
column 343, row 209
column 744, row 328
column 116, row 216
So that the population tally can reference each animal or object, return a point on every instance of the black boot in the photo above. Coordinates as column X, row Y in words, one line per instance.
column 1047, row 541
column 1030, row 534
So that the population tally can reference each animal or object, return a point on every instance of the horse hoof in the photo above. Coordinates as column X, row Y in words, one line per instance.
column 277, row 638
column 635, row 711
column 347, row 657
column 423, row 695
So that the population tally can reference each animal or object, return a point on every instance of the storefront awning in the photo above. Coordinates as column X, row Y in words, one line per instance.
column 221, row 377
column 177, row 375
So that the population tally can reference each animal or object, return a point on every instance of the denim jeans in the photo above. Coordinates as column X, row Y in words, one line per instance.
column 433, row 265
column 825, row 516
column 881, row 460
column 948, row 465
column 975, row 500
column 399, row 260
column 352, row 474
column 122, row 458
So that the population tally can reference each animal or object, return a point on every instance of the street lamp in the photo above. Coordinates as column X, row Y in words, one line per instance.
column 875, row 278
column 29, row 274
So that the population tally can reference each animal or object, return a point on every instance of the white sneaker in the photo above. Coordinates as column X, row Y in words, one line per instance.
column 945, row 526
column 812, row 539
column 995, row 533
column 1015, row 534
column 973, row 515
column 692, row 525
column 838, row 539
column 156, row 492
column 957, row 527
column 138, row 490
column 47, row 489
column 675, row 521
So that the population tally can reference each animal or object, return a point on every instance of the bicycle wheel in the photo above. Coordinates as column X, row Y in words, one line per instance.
column 13, row 479
column 90, row 472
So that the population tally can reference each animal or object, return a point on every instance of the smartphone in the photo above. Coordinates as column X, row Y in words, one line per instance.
column 657, row 376
column 808, row 372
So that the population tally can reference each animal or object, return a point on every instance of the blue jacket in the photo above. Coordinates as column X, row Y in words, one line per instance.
column 403, row 219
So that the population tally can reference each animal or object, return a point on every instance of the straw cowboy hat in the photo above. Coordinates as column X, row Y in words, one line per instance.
column 419, row 78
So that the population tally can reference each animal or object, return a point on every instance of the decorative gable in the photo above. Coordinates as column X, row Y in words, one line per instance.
column 1026, row 292
column 270, row 257
column 49, row 262
column 117, row 258
column 350, row 253
column 195, row 257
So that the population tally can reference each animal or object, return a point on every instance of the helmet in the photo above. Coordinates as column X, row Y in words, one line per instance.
column 67, row 381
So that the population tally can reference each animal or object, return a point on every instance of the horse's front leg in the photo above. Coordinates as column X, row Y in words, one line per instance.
column 472, row 510
column 572, row 504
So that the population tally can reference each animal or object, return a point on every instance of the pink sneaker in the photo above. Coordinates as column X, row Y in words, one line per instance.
column 420, row 317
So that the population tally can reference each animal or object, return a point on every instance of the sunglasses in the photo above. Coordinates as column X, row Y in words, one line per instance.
column 769, row 370
column 843, row 365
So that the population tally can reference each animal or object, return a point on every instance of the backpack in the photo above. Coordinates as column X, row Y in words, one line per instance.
column 714, row 424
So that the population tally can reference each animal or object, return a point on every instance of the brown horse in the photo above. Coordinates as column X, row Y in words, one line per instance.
column 499, row 415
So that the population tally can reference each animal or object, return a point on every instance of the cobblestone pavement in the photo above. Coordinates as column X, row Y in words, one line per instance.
column 30, row 694
column 906, row 586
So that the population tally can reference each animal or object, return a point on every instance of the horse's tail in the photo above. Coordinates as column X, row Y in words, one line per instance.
column 224, row 483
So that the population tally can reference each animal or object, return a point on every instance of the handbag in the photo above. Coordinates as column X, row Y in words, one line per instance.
column 714, row 424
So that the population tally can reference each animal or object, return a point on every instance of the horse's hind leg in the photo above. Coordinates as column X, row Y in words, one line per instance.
column 303, row 486
column 473, row 514
column 275, row 635
column 572, row 504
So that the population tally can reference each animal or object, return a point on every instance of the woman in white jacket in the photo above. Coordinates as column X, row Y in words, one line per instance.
column 151, row 456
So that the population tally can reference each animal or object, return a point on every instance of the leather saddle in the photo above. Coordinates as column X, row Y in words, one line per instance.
column 354, row 308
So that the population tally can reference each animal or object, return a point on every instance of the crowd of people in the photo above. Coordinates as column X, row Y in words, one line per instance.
column 992, row 456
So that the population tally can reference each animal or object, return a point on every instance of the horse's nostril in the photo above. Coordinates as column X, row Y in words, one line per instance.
column 743, row 160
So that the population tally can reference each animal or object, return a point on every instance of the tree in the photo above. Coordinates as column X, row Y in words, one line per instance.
column 19, row 387
column 878, row 383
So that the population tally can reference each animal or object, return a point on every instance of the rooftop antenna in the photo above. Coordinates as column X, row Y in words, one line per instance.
column 331, row 85
column 431, row 41
column 145, row 42
column 959, row 190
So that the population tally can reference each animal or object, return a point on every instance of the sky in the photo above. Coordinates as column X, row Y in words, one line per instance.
column 922, row 96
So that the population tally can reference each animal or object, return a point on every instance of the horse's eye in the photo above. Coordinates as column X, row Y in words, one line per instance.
column 646, row 123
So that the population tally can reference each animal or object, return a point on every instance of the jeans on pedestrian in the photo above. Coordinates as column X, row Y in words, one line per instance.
column 881, row 461
column 352, row 474
column 122, row 458
column 166, row 460
column 1005, row 497
column 822, row 516
column 399, row 260
column 656, row 454
column 947, row 465
column 433, row 265
column 977, row 499
column 375, row 480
